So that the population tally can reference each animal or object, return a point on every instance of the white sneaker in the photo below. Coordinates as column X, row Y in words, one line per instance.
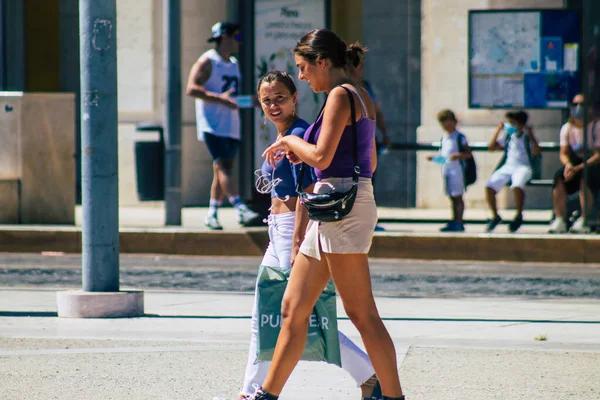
column 579, row 226
column 558, row 225
column 212, row 223
column 247, row 217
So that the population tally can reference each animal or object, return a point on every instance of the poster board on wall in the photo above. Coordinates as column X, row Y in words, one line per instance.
column 278, row 25
column 524, row 58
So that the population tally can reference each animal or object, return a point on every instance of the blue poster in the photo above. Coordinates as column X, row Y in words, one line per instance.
column 551, row 56
column 535, row 90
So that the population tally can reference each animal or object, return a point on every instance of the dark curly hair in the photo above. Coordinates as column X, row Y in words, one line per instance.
column 520, row 116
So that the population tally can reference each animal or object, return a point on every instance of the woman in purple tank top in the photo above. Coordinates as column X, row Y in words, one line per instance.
column 338, row 249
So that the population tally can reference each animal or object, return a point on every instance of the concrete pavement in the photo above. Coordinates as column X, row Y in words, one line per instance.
column 389, row 277
column 192, row 345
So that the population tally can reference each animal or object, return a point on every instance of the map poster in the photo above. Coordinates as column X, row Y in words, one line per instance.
column 278, row 25
column 505, row 42
column 523, row 58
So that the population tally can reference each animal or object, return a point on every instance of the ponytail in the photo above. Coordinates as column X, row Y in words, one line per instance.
column 354, row 54
column 325, row 44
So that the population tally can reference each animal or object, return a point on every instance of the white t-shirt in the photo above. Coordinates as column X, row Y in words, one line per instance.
column 450, row 146
column 572, row 136
column 516, row 154
column 216, row 118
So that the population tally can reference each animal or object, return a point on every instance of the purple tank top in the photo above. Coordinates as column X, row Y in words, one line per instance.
column 342, row 165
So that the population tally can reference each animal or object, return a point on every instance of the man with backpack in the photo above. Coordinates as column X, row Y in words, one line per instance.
column 517, row 165
column 458, row 168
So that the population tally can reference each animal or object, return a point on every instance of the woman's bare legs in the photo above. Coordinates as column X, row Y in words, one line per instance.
column 351, row 275
column 559, row 198
column 585, row 193
column 307, row 280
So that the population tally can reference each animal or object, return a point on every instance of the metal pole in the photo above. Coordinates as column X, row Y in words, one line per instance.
column 99, row 148
column 172, row 63
column 328, row 14
column 246, row 158
column 14, row 45
column 69, row 73
column 2, row 48
column 586, row 35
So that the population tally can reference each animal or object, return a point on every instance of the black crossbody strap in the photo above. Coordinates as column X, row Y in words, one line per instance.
column 356, row 171
column 317, row 124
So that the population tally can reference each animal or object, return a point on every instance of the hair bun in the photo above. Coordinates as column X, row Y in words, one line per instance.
column 355, row 53
column 325, row 44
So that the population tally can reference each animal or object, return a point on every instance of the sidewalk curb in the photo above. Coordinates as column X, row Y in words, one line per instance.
column 489, row 247
column 253, row 242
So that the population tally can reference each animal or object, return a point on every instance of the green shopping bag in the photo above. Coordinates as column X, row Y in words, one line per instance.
column 322, row 342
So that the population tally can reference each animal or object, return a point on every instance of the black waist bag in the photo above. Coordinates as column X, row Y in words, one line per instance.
column 331, row 207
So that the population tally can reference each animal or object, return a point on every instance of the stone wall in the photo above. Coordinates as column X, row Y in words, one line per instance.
column 37, row 170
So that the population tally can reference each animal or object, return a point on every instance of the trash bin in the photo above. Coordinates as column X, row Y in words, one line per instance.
column 149, row 162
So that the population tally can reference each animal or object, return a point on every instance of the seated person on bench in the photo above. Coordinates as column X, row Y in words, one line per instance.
column 520, row 146
column 568, row 179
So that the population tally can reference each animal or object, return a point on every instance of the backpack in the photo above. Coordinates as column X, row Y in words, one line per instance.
column 535, row 162
column 468, row 165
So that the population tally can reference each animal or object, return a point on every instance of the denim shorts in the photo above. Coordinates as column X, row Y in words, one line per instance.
column 221, row 148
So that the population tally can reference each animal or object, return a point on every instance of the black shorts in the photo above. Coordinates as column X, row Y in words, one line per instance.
column 572, row 186
column 221, row 148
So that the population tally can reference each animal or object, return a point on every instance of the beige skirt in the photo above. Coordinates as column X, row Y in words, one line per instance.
column 354, row 233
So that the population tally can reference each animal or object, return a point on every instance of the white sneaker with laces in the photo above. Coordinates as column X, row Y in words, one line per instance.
column 579, row 226
column 558, row 225
column 246, row 215
column 212, row 223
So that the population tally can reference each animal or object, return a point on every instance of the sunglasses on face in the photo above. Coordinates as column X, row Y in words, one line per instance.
column 577, row 104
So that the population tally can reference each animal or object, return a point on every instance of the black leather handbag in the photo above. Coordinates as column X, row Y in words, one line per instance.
column 331, row 207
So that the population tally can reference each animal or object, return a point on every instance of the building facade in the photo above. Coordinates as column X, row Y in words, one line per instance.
column 417, row 64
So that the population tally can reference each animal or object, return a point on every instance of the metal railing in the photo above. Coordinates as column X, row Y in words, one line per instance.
column 476, row 146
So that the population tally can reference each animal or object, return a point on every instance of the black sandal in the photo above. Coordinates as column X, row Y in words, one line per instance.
column 262, row 394
column 376, row 392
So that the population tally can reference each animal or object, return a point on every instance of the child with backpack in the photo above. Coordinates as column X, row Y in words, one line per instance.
column 521, row 150
column 458, row 168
